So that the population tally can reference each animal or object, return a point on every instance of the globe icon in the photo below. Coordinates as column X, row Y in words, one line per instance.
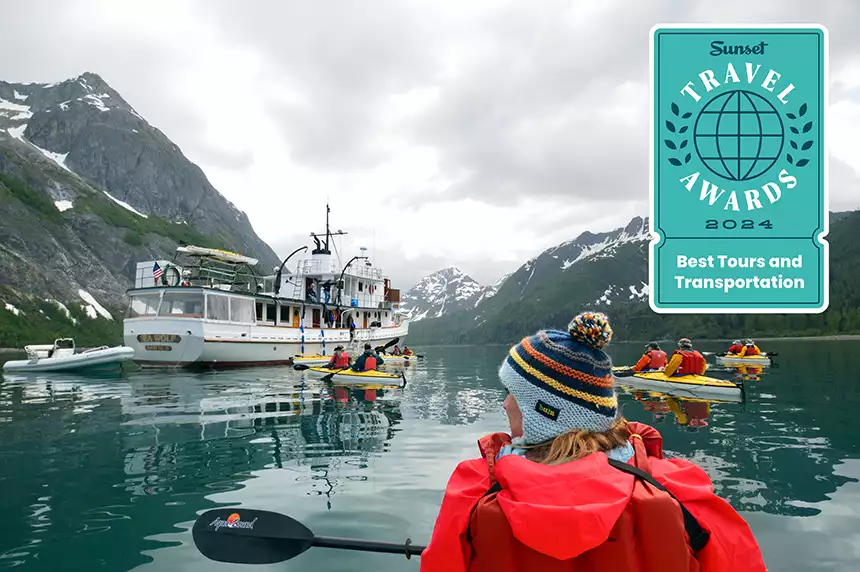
column 738, row 135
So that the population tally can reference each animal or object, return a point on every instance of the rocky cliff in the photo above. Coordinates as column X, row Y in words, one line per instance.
column 88, row 188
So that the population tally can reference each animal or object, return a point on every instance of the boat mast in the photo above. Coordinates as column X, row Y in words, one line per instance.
column 323, row 247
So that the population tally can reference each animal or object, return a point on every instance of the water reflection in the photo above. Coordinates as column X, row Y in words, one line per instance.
column 149, row 449
column 109, row 471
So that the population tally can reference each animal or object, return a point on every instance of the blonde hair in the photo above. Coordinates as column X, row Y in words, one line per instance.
column 578, row 443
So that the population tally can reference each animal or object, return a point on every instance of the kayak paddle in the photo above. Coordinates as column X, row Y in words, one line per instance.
column 246, row 536
column 301, row 367
column 393, row 342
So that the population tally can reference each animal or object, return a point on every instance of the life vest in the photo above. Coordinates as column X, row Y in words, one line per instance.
column 752, row 351
column 341, row 360
column 735, row 349
column 692, row 362
column 369, row 363
column 499, row 516
column 407, row 353
column 658, row 359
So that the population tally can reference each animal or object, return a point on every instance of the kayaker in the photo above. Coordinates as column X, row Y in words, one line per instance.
column 395, row 351
column 653, row 359
column 557, row 494
column 749, row 349
column 407, row 351
column 340, row 359
column 686, row 361
column 367, row 361
column 736, row 347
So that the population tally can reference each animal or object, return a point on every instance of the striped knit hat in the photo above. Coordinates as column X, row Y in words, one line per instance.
column 563, row 380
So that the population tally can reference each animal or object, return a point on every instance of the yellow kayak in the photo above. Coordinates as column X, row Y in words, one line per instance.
column 734, row 359
column 349, row 376
column 695, row 384
column 321, row 359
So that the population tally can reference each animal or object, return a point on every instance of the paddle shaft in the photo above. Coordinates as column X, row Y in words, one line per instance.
column 368, row 545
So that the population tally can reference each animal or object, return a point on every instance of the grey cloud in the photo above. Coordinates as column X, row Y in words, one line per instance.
column 520, row 117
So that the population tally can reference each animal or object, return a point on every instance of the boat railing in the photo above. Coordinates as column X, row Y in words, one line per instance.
column 312, row 266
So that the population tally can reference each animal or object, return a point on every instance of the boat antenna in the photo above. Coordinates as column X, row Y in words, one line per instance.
column 327, row 231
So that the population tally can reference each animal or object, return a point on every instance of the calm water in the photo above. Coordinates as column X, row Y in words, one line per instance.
column 110, row 472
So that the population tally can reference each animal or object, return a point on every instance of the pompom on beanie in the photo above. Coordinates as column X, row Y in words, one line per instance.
column 563, row 381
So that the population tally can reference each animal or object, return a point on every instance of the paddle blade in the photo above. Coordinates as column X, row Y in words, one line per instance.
column 300, row 367
column 245, row 536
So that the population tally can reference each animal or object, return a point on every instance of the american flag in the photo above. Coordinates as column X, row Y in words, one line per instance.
column 156, row 272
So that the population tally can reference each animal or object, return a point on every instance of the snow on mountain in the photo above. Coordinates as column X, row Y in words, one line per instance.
column 443, row 292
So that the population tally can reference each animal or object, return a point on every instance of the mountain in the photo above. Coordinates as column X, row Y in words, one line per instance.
column 444, row 292
column 87, row 189
column 608, row 272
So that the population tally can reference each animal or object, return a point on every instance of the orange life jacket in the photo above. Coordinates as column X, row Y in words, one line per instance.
column 692, row 363
column 342, row 360
column 736, row 349
column 650, row 515
column 658, row 359
column 752, row 351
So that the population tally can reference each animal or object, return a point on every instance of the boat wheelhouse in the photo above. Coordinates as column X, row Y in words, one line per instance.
column 210, row 307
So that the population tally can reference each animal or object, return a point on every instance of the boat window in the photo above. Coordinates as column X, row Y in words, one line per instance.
column 259, row 309
column 270, row 312
column 217, row 307
column 182, row 305
column 242, row 310
column 143, row 305
column 285, row 314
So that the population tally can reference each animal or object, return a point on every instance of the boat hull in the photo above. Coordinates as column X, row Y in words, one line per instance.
column 692, row 386
column 759, row 361
column 177, row 342
column 94, row 359
column 354, row 377
column 321, row 360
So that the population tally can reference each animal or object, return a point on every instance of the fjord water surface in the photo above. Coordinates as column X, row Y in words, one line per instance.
column 109, row 472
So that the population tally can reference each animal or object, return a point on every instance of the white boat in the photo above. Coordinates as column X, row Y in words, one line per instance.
column 214, row 309
column 61, row 356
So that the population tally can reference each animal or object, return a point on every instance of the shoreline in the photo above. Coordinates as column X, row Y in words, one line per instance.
column 831, row 337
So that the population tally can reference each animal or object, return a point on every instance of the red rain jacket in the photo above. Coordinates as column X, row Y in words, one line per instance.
column 584, row 515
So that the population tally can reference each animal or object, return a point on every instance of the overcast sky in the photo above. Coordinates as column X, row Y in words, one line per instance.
column 519, row 124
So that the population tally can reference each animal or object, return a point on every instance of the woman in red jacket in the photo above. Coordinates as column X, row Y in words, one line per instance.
column 575, row 487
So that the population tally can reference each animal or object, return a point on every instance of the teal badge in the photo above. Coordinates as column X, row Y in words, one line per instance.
column 739, row 185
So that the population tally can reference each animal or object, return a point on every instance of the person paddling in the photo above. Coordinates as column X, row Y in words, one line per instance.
column 686, row 361
column 571, row 487
column 367, row 361
column 339, row 360
column 653, row 359
column 749, row 349
column 736, row 347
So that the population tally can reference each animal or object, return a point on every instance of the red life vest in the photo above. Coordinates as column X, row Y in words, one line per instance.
column 596, row 518
column 369, row 363
column 692, row 363
column 658, row 359
column 736, row 349
column 752, row 351
column 342, row 360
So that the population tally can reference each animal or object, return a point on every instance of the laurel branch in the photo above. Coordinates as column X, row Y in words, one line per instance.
column 678, row 129
column 806, row 145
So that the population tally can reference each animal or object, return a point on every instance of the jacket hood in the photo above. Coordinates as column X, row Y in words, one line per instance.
column 565, row 510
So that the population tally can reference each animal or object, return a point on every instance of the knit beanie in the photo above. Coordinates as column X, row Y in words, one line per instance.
column 563, row 381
